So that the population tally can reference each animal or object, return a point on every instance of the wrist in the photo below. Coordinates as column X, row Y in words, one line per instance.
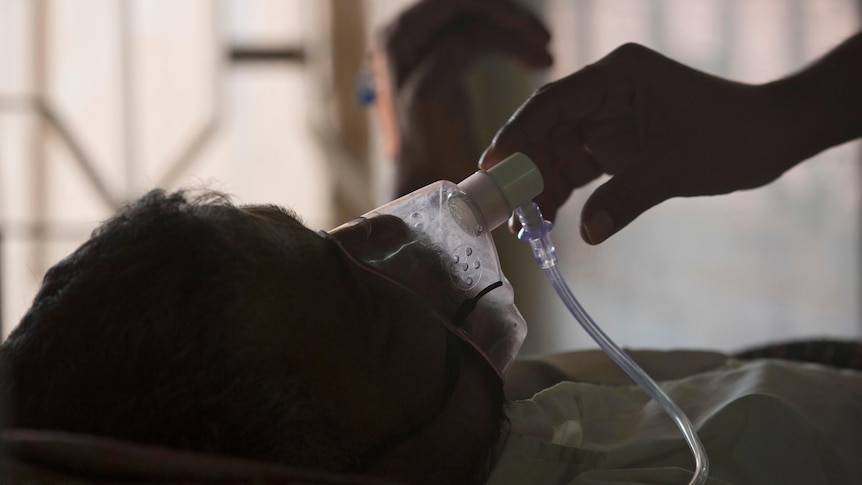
column 820, row 106
column 799, row 123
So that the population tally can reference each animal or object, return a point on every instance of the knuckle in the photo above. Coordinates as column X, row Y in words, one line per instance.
column 629, row 200
column 630, row 52
column 541, row 91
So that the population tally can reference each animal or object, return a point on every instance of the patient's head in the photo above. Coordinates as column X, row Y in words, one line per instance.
column 189, row 322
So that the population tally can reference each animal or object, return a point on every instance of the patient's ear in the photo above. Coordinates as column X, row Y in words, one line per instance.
column 527, row 377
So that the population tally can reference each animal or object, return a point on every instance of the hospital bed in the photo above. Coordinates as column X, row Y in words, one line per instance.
column 51, row 457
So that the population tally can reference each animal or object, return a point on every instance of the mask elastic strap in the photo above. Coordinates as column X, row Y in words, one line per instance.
column 469, row 305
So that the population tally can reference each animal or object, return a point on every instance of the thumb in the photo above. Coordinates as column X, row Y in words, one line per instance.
column 618, row 202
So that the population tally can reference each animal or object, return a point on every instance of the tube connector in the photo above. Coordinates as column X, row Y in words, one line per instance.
column 504, row 187
column 537, row 231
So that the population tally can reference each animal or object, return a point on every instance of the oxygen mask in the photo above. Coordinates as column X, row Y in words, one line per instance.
column 436, row 243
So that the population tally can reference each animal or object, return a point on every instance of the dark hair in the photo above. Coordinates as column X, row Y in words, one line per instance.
column 130, row 337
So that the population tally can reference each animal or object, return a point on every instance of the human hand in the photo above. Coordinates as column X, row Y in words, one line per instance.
column 420, row 63
column 659, row 128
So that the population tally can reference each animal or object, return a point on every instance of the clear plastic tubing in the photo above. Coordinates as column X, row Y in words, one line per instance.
column 536, row 231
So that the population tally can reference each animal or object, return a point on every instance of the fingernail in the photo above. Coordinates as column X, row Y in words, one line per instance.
column 514, row 224
column 482, row 162
column 598, row 227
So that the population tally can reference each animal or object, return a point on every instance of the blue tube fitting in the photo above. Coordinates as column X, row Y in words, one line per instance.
column 537, row 231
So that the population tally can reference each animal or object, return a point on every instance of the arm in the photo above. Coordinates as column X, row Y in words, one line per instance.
column 662, row 130
column 824, row 101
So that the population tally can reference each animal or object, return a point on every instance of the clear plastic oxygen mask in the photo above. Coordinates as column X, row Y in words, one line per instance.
column 436, row 243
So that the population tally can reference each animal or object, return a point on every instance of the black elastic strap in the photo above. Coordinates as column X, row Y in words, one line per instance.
column 470, row 304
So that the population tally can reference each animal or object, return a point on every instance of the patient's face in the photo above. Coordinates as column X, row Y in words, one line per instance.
column 372, row 353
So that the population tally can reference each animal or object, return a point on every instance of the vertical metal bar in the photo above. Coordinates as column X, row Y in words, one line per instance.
column 348, row 49
column 348, row 54
column 128, row 95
